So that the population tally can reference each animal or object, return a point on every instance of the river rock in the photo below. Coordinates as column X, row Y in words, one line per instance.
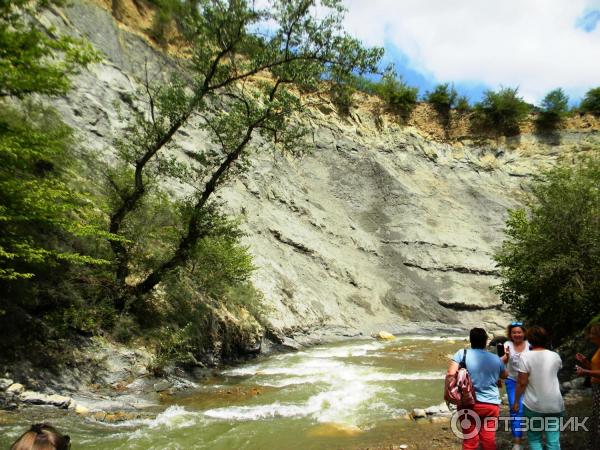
column 385, row 336
column 15, row 389
column 82, row 410
column 419, row 413
column 5, row 383
column 37, row 398
column 141, row 385
column 432, row 410
column 114, row 417
column 290, row 344
column 162, row 385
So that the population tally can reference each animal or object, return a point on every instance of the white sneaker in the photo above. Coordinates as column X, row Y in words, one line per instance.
column 517, row 447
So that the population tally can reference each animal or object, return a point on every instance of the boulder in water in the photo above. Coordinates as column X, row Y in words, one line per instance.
column 5, row 383
column 384, row 336
column 15, row 389
column 37, row 398
column 419, row 413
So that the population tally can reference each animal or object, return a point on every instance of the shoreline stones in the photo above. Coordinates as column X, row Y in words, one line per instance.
column 435, row 413
column 37, row 398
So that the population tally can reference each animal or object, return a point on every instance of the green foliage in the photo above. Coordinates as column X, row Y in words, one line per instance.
column 214, row 283
column 53, row 260
column 443, row 98
column 501, row 112
column 228, row 47
column 591, row 102
column 555, row 106
column 28, row 55
column 550, row 261
column 462, row 105
column 399, row 97
column 341, row 95
column 38, row 209
column 173, row 346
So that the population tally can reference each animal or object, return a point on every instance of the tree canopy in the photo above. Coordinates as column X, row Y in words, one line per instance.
column 244, row 79
column 550, row 260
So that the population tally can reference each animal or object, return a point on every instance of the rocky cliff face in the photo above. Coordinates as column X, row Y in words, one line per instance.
column 377, row 227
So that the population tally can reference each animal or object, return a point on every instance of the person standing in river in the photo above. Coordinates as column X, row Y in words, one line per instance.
column 543, row 404
column 592, row 369
column 485, row 369
column 513, row 349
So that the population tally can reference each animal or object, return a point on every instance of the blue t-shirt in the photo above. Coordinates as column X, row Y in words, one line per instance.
column 485, row 369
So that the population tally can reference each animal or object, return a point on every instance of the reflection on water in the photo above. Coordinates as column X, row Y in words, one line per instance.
column 347, row 394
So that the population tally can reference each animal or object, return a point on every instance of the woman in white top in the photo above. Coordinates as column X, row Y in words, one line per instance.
column 513, row 348
column 543, row 403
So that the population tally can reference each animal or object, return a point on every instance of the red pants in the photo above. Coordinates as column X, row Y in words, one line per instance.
column 487, row 428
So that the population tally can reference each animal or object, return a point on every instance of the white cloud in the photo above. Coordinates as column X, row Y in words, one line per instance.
column 533, row 44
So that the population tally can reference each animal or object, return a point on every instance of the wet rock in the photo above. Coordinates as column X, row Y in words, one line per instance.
column 5, row 383
column 114, row 417
column 37, row 398
column 141, row 385
column 82, row 410
column 290, row 344
column 432, row 410
column 384, row 336
column 15, row 389
column 162, row 385
column 419, row 413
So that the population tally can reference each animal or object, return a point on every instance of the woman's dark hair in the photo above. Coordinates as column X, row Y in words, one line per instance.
column 42, row 436
column 538, row 337
column 593, row 328
column 478, row 338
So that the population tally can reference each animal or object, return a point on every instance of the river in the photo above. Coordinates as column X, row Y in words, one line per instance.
column 353, row 394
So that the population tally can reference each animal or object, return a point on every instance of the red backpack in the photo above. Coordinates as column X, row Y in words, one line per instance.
column 459, row 388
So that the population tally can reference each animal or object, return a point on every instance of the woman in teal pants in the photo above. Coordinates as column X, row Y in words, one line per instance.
column 513, row 348
column 543, row 404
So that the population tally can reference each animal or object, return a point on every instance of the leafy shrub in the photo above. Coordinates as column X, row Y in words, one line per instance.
column 550, row 260
column 591, row 102
column 501, row 112
column 341, row 96
column 399, row 97
column 553, row 111
column 443, row 98
column 462, row 105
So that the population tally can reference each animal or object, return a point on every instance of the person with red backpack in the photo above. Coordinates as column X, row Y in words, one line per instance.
column 484, row 370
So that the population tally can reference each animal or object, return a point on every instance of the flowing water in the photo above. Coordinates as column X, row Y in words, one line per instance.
column 353, row 394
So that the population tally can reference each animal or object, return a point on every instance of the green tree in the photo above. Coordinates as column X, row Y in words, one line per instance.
column 34, row 144
column 51, row 232
column 462, row 105
column 550, row 261
column 501, row 112
column 239, row 82
column 554, row 109
column 591, row 102
column 399, row 97
column 28, row 62
column 443, row 98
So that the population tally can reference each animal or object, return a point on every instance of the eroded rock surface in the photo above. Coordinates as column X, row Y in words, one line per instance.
column 376, row 228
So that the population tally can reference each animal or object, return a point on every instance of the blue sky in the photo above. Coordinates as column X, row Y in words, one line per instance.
column 535, row 45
